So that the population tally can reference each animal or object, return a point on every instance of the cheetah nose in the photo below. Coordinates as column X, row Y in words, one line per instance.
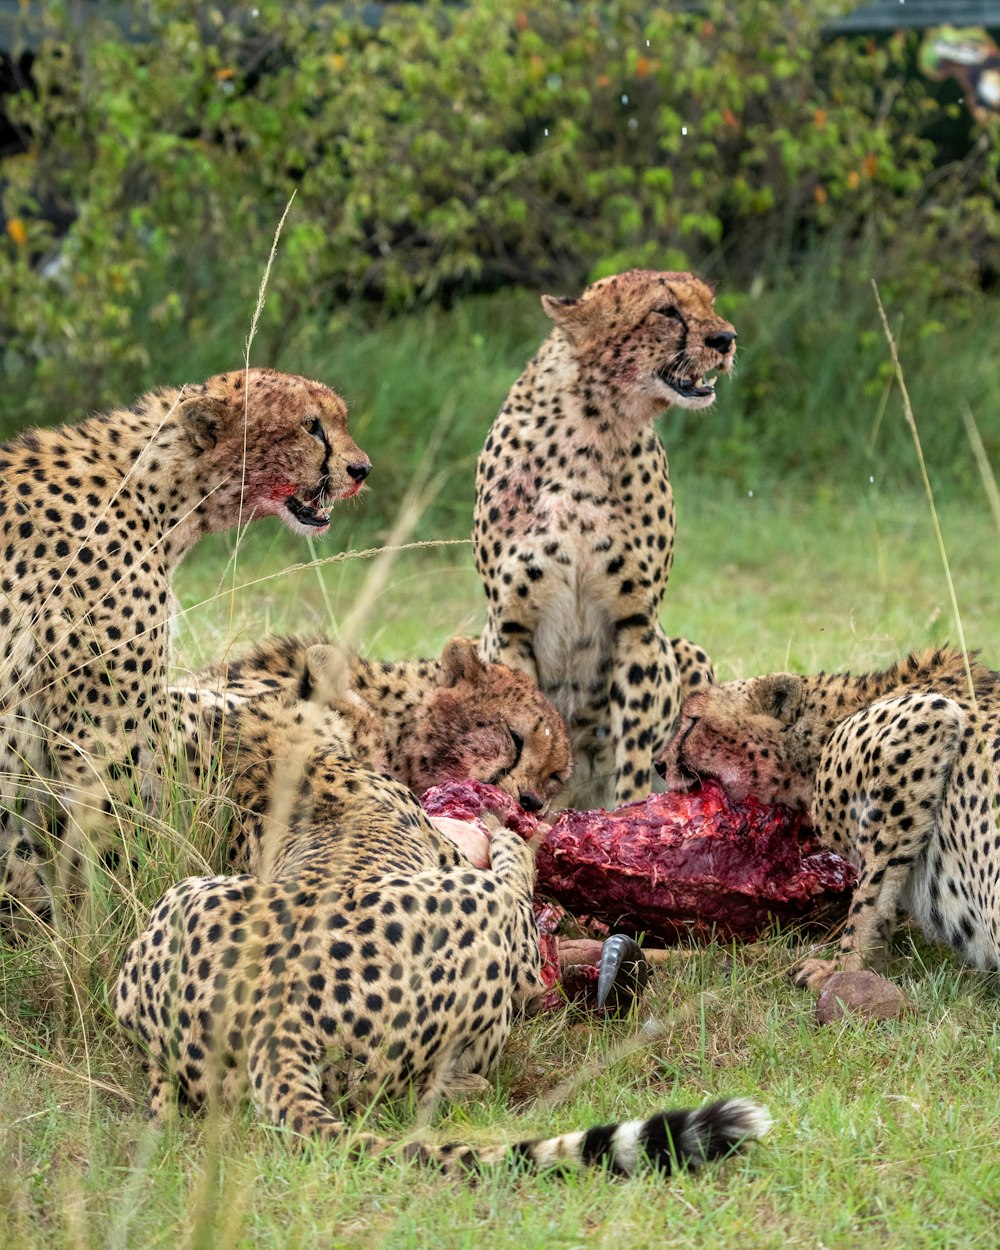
column 530, row 801
column 722, row 341
column 359, row 471
column 661, row 767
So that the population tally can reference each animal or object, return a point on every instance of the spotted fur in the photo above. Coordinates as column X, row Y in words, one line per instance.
column 94, row 518
column 897, row 770
column 441, row 720
column 574, row 517
column 363, row 959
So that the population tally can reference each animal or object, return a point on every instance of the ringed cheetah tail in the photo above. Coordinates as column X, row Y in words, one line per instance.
column 669, row 1139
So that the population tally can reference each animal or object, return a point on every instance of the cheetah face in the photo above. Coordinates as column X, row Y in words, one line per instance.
column 493, row 724
column 689, row 375
column 283, row 440
column 687, row 344
column 322, row 464
column 744, row 735
column 530, row 755
column 649, row 337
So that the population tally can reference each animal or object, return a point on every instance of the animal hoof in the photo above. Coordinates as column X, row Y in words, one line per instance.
column 864, row 995
column 622, row 974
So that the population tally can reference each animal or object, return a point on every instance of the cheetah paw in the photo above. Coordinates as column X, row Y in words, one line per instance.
column 466, row 1087
column 813, row 974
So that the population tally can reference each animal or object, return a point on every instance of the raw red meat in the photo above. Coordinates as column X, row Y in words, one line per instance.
column 692, row 864
column 468, row 800
column 675, row 865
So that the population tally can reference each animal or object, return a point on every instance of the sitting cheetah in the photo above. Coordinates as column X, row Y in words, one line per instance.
column 442, row 720
column 365, row 960
column 897, row 771
column 574, row 518
column 94, row 518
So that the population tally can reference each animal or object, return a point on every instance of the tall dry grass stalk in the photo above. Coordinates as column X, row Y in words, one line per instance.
column 928, row 490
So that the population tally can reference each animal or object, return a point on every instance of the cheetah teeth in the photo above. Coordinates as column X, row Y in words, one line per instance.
column 314, row 512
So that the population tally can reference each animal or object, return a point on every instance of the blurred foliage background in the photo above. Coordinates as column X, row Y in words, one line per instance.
column 447, row 157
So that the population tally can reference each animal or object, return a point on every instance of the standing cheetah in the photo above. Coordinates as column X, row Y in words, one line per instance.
column 94, row 519
column 364, row 959
column 574, row 518
column 898, row 771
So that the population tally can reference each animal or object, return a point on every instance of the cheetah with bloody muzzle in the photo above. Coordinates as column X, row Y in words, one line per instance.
column 574, row 519
column 898, row 770
column 363, row 959
column 94, row 519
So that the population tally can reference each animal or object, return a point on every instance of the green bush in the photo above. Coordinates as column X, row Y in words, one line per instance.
column 449, row 148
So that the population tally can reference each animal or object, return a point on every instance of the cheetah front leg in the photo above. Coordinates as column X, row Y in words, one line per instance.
column 25, row 895
column 26, row 798
column 161, row 1101
column 286, row 1083
column 644, row 688
column 878, row 797
column 509, row 641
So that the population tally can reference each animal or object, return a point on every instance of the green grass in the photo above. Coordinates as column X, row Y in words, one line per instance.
column 778, row 579
column 884, row 1135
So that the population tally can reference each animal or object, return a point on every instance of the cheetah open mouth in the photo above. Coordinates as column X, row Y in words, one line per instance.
column 689, row 387
column 313, row 512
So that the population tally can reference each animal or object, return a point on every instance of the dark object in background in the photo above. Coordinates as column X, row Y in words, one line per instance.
column 970, row 57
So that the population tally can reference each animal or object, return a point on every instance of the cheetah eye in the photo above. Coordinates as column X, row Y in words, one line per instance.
column 668, row 310
column 518, row 742
column 314, row 426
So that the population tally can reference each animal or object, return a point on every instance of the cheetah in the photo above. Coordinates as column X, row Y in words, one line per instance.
column 437, row 721
column 442, row 720
column 897, row 771
column 94, row 519
column 365, row 961
column 574, row 518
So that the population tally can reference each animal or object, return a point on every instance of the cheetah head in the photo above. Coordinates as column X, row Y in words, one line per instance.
column 490, row 723
column 279, row 445
column 647, row 340
column 750, row 736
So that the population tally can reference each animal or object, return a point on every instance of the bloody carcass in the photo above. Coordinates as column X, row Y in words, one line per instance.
column 675, row 865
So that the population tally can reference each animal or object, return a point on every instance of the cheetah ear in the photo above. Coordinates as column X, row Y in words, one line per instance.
column 779, row 695
column 460, row 662
column 572, row 316
column 326, row 677
column 200, row 417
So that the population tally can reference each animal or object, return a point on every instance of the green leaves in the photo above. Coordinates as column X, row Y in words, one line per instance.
column 452, row 146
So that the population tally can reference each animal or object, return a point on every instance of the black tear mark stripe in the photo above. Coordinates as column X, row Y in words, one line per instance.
column 324, row 472
column 505, row 772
